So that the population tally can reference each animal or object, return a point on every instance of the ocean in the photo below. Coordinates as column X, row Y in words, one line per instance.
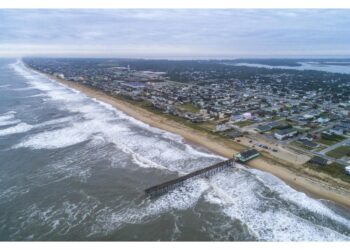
column 74, row 168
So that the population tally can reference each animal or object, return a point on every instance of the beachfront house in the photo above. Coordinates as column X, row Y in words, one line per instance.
column 247, row 155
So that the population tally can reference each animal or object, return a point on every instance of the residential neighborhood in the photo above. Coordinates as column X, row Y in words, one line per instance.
column 275, row 109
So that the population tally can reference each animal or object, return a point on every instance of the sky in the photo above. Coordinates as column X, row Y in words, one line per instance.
column 175, row 33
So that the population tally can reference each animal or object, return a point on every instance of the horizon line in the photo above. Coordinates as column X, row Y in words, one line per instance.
column 299, row 57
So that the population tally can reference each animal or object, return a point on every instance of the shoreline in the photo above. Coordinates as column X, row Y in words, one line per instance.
column 315, row 187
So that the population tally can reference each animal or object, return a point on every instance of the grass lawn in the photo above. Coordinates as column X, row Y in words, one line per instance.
column 273, row 118
column 244, row 123
column 330, row 140
column 327, row 142
column 320, row 148
column 189, row 107
column 335, row 170
column 339, row 152
column 300, row 145
column 210, row 125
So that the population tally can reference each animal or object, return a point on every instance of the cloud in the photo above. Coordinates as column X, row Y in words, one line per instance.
column 167, row 32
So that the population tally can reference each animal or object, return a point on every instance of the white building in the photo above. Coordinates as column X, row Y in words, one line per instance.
column 285, row 133
column 347, row 170
column 337, row 130
column 322, row 120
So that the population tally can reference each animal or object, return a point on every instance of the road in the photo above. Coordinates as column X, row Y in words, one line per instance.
column 334, row 146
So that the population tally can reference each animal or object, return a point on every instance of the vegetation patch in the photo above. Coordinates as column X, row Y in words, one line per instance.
column 339, row 152
column 244, row 123
column 300, row 145
column 330, row 139
column 273, row 118
column 189, row 107
column 335, row 170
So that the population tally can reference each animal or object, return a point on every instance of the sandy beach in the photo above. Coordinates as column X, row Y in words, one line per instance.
column 312, row 183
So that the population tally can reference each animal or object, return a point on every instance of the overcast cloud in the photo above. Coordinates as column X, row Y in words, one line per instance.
column 175, row 33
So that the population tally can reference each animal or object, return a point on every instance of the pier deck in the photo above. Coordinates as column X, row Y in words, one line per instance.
column 205, row 172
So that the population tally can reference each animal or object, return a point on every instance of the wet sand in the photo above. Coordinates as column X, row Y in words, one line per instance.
column 314, row 184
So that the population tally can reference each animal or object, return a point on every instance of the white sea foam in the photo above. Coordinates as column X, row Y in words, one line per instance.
column 23, row 89
column 55, row 121
column 164, row 134
column 240, row 197
column 12, row 192
column 144, row 162
column 9, row 122
column 36, row 95
column 19, row 128
column 60, row 218
column 7, row 116
column 299, row 198
column 193, row 151
column 22, row 127
column 56, row 139
column 185, row 197
column 149, row 153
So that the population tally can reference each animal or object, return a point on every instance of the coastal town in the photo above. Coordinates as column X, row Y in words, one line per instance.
column 299, row 116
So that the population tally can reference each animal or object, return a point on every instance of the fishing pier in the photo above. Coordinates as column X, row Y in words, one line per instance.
column 205, row 172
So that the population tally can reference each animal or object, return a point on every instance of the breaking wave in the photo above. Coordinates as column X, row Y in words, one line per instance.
column 8, row 118
column 279, row 213
column 19, row 128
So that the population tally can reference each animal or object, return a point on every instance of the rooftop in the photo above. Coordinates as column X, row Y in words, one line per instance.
column 249, row 153
column 318, row 160
column 286, row 131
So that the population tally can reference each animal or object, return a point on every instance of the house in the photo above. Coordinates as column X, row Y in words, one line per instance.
column 308, row 137
column 308, row 116
column 247, row 116
column 323, row 120
column 308, row 143
column 279, row 125
column 234, row 134
column 222, row 127
column 345, row 125
column 316, row 160
column 58, row 75
column 263, row 128
column 236, row 118
column 285, row 133
column 347, row 170
column 247, row 155
column 338, row 130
